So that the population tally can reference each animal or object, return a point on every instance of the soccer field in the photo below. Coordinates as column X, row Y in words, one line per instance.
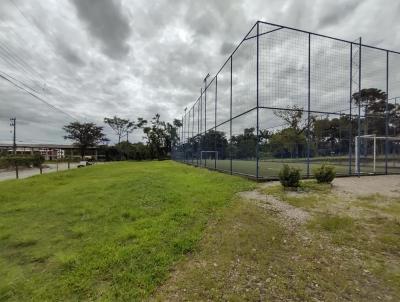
column 269, row 169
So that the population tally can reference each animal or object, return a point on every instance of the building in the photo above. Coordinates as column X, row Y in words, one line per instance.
column 49, row 151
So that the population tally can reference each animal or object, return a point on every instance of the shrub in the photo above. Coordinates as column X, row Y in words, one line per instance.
column 325, row 174
column 11, row 161
column 289, row 177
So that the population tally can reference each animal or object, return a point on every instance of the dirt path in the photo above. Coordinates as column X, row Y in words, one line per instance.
column 290, row 215
column 388, row 185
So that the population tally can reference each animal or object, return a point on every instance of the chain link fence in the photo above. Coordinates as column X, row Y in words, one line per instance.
column 287, row 96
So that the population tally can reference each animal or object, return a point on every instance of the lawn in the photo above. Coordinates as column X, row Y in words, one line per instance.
column 107, row 232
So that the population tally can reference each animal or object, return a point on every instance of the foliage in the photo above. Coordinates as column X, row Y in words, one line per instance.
column 10, row 161
column 289, row 177
column 84, row 135
column 325, row 174
column 161, row 137
column 137, row 151
column 373, row 101
column 288, row 143
column 119, row 125
column 244, row 145
column 110, row 232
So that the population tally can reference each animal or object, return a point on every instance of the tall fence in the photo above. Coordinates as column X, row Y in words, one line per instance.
column 287, row 96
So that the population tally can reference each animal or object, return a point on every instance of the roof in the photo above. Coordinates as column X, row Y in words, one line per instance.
column 49, row 146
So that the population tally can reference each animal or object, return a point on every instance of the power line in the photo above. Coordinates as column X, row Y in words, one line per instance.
column 37, row 97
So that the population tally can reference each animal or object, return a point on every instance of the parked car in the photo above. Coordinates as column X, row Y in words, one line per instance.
column 84, row 163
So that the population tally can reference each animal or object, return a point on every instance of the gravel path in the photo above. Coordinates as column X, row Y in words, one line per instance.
column 291, row 215
column 388, row 185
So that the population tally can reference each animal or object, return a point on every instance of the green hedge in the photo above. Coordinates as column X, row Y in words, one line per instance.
column 10, row 161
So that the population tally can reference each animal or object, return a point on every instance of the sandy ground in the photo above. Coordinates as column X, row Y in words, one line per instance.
column 24, row 173
column 388, row 185
column 291, row 215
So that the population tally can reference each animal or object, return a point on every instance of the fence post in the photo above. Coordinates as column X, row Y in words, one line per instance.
column 198, row 129
column 205, row 119
column 193, row 138
column 258, row 110
column 201, row 126
column 350, row 104
column 387, row 113
column 359, row 111
column 215, row 122
column 308, row 104
column 230, row 122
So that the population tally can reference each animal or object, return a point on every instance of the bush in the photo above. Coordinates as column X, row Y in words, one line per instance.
column 289, row 177
column 11, row 161
column 325, row 174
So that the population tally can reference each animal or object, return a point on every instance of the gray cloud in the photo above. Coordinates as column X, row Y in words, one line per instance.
column 68, row 53
column 135, row 58
column 106, row 21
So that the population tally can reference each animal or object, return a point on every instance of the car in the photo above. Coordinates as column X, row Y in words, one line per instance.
column 84, row 163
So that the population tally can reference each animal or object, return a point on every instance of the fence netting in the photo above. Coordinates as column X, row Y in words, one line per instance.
column 287, row 96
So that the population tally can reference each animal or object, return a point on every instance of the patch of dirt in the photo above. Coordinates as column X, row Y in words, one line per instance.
column 291, row 215
column 387, row 185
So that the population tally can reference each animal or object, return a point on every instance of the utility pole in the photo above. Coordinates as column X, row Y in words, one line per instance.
column 13, row 123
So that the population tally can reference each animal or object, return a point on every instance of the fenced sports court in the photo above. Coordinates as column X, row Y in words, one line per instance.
column 290, row 96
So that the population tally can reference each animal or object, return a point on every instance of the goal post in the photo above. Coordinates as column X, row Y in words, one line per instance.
column 362, row 141
column 203, row 154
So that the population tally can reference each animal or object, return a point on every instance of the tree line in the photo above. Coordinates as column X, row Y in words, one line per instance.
column 327, row 136
column 159, row 136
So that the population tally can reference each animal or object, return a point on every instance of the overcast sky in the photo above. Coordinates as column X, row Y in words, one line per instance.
column 97, row 58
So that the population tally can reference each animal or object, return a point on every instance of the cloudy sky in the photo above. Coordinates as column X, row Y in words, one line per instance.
column 97, row 58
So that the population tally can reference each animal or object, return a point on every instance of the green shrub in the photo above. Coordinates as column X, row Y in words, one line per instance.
column 11, row 161
column 325, row 174
column 289, row 177
column 37, row 160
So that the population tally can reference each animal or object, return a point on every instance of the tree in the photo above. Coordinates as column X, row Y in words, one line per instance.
column 292, row 117
column 37, row 161
column 84, row 135
column 136, row 125
column 244, row 145
column 161, row 136
column 374, row 102
column 120, row 126
column 287, row 143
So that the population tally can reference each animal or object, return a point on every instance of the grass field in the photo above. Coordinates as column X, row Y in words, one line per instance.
column 271, row 168
column 346, row 250
column 107, row 232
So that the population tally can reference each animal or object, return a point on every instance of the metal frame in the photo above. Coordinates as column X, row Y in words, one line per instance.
column 254, row 35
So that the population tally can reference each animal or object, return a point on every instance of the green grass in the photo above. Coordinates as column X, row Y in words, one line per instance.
column 248, row 255
column 271, row 168
column 107, row 232
column 309, row 194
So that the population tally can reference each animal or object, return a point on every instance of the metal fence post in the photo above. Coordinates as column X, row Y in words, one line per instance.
column 258, row 109
column 230, row 122
column 308, row 105
column 205, row 118
column 198, row 130
column 193, row 136
column 359, row 111
column 201, row 126
column 387, row 113
column 350, row 104
column 215, row 122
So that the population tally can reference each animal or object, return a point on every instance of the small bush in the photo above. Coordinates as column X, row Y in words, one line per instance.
column 289, row 177
column 325, row 174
